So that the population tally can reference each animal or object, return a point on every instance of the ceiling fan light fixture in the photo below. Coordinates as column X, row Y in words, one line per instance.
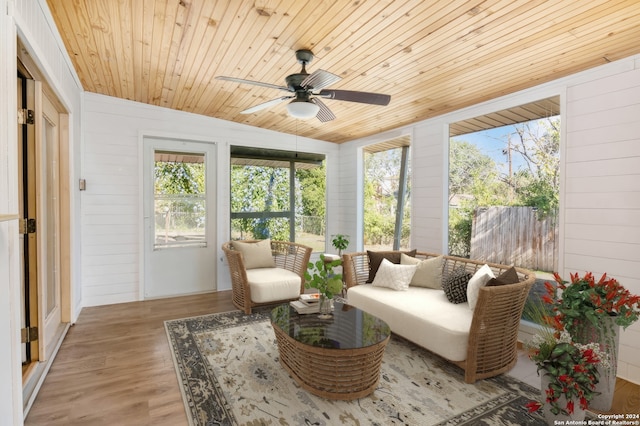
column 302, row 109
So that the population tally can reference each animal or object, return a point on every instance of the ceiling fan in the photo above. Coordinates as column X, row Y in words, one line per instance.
column 307, row 90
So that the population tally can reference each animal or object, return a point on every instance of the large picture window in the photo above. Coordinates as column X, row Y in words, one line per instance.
column 278, row 195
column 504, row 181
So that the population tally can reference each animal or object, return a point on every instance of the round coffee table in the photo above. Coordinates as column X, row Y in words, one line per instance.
column 336, row 358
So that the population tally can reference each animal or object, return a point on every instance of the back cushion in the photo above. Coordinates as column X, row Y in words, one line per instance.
column 255, row 255
column 375, row 258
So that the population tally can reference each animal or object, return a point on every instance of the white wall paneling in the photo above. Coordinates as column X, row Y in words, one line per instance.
column 111, row 211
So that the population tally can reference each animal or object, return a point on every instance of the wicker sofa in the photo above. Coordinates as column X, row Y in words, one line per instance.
column 482, row 341
column 281, row 281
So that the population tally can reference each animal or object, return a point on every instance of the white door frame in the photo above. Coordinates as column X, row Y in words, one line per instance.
column 212, row 202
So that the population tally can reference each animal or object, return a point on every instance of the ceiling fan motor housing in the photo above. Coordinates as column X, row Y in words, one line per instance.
column 294, row 81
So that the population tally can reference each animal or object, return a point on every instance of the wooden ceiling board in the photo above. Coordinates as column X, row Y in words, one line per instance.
column 432, row 57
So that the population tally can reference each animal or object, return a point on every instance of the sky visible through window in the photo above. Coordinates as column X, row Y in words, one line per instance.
column 492, row 142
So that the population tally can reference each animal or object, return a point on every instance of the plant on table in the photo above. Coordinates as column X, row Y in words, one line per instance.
column 321, row 276
column 340, row 242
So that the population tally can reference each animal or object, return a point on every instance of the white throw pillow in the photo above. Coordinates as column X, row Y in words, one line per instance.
column 479, row 279
column 393, row 276
column 256, row 255
column 428, row 271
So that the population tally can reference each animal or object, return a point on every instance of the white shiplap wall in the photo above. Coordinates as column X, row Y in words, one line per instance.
column 111, row 244
column 600, row 190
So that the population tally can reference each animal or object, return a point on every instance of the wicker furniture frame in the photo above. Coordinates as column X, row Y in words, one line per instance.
column 287, row 255
column 493, row 338
column 339, row 374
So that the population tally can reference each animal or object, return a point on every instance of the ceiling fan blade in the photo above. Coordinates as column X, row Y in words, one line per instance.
column 255, row 83
column 319, row 79
column 264, row 105
column 354, row 96
column 324, row 113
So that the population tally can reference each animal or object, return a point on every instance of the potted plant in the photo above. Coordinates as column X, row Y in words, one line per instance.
column 320, row 275
column 569, row 370
column 569, row 374
column 593, row 311
column 340, row 242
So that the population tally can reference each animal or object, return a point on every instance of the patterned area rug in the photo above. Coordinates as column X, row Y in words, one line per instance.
column 230, row 374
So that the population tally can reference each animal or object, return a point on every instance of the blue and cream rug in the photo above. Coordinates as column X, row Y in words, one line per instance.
column 228, row 368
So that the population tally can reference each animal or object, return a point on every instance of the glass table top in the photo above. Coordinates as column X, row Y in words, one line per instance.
column 348, row 327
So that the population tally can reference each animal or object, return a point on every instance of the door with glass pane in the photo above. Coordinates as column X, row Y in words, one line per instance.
column 50, row 262
column 179, row 217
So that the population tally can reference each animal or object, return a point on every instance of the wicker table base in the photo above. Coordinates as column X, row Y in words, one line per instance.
column 343, row 374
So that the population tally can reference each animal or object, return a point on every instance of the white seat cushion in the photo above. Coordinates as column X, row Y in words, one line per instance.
column 422, row 315
column 271, row 284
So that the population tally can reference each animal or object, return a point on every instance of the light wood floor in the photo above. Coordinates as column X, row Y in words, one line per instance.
column 115, row 367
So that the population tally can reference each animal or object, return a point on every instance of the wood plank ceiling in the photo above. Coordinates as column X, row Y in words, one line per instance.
column 432, row 56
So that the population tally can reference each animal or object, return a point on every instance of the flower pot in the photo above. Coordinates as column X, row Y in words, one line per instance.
column 608, row 336
column 556, row 419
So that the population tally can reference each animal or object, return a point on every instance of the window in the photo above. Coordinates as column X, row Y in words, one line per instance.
column 179, row 200
column 504, row 188
column 387, row 177
column 278, row 195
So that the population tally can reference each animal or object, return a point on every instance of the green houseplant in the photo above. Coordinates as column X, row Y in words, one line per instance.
column 321, row 276
column 340, row 242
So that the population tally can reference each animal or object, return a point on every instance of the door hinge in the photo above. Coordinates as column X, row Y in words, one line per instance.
column 29, row 334
column 27, row 226
column 26, row 116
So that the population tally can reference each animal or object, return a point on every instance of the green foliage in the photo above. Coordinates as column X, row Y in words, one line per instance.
column 340, row 242
column 312, row 190
column 460, row 221
column 266, row 189
column 179, row 178
column 320, row 275
column 381, row 186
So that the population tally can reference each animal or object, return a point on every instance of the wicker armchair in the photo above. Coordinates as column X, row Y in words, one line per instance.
column 493, row 336
column 287, row 255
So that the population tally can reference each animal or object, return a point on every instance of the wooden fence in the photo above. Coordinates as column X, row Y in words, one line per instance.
column 514, row 236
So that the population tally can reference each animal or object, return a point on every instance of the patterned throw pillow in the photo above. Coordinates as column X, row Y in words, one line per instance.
column 395, row 277
column 455, row 285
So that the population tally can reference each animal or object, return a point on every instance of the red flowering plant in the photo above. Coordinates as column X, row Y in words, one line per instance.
column 571, row 368
column 585, row 298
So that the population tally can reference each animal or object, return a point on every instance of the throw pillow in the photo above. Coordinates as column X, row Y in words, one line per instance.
column 395, row 277
column 255, row 255
column 375, row 258
column 510, row 276
column 428, row 271
column 479, row 279
column 455, row 285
